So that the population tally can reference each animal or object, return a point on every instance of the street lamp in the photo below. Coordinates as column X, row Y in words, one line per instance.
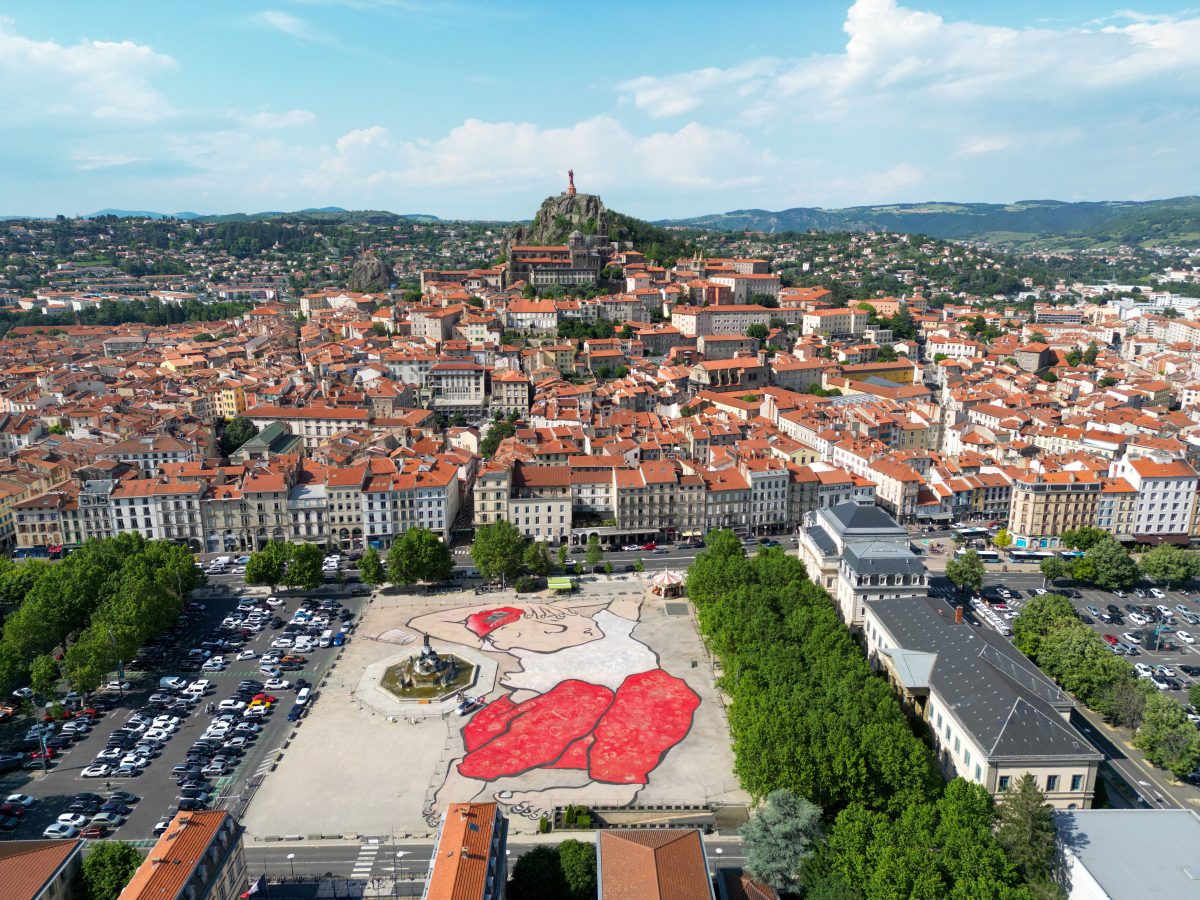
column 291, row 857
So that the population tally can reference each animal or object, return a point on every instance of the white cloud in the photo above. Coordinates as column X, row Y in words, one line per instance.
column 292, row 26
column 979, row 146
column 521, row 156
column 99, row 80
column 87, row 160
column 293, row 118
column 912, row 60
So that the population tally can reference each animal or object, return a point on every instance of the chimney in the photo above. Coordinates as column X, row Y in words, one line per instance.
column 958, row 615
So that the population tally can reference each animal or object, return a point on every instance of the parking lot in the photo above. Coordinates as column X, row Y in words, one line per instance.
column 155, row 786
column 1179, row 657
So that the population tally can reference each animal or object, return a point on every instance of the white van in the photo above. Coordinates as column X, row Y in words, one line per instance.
column 326, row 637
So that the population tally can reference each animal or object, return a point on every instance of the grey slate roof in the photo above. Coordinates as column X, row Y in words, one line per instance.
column 879, row 558
column 821, row 539
column 859, row 517
column 1010, row 707
column 1136, row 853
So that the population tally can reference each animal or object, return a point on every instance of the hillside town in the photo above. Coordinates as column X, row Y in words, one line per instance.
column 950, row 453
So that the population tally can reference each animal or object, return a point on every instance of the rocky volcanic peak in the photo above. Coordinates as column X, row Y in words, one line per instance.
column 370, row 274
column 559, row 216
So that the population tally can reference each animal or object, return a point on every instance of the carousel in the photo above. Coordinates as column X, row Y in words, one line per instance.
column 667, row 584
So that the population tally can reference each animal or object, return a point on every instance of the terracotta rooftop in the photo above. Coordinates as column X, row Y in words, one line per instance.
column 27, row 867
column 460, row 866
column 652, row 865
column 171, row 862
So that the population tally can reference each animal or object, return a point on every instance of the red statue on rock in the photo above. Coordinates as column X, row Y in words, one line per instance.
column 570, row 182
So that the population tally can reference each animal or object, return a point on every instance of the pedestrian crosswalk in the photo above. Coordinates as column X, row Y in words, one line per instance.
column 366, row 859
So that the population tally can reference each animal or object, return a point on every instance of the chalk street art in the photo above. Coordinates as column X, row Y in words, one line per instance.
column 583, row 704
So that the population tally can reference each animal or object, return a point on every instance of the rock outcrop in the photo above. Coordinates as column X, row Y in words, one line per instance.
column 370, row 274
column 559, row 216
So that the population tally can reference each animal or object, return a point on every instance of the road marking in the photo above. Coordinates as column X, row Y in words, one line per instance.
column 366, row 860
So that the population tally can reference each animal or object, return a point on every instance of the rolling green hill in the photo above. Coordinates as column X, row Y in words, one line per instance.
column 1026, row 224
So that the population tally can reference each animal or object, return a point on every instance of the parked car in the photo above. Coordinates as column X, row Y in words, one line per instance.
column 60, row 832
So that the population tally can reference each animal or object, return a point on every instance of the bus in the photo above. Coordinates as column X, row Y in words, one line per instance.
column 1070, row 554
column 1029, row 555
column 986, row 555
column 967, row 533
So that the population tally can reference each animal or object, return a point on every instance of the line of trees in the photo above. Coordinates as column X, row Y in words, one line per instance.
column 501, row 551
column 1049, row 631
column 79, row 616
column 1108, row 565
column 292, row 565
column 810, row 718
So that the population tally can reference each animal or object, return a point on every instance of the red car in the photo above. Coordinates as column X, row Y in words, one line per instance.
column 48, row 753
column 649, row 546
column 12, row 809
column 266, row 698
column 1110, row 638
column 94, row 831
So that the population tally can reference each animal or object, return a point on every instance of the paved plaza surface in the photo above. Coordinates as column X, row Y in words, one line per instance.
column 603, row 698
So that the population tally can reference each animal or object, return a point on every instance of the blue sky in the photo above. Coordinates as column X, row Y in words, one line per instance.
column 477, row 109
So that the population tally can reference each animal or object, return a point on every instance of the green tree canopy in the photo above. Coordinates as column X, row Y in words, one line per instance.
column 237, row 432
column 1054, row 568
column 108, row 867
column 537, row 875
column 304, row 567
column 1002, row 539
column 497, row 432
column 1084, row 537
column 370, row 568
column 1041, row 615
column 1167, row 564
column 1167, row 738
column 1026, row 830
column 268, row 564
column 966, row 571
column 419, row 555
column 499, row 550
column 1115, row 568
column 594, row 551
column 779, row 840
column 577, row 861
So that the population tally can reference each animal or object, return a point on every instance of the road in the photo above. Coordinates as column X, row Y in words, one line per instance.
column 1146, row 783
column 365, row 860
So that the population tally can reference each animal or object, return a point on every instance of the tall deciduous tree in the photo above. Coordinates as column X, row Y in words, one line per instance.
column 966, row 571
column 1002, row 539
column 1084, row 537
column 237, row 432
column 267, row 566
column 537, row 875
column 594, row 551
column 1166, row 736
column 577, row 860
column 304, row 568
column 1041, row 615
column 108, row 867
column 779, row 840
column 1053, row 568
column 1115, row 568
column 370, row 569
column 499, row 551
column 419, row 555
column 1167, row 564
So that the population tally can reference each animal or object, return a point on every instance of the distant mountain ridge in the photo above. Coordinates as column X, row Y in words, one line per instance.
column 331, row 211
column 1027, row 223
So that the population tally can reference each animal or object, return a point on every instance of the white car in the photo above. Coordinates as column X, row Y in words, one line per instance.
column 245, row 654
column 631, row 548
column 1157, row 594
column 99, row 770
column 117, row 686
column 234, row 705
column 274, row 601
column 166, row 722
column 111, row 755
column 1143, row 670
column 136, row 760
column 283, row 643
column 1185, row 636
column 277, row 684
column 74, row 820
column 1139, row 619
column 158, row 734
column 60, row 832
column 21, row 800
column 200, row 685
column 216, row 664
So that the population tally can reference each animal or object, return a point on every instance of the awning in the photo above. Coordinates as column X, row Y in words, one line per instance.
column 667, row 578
